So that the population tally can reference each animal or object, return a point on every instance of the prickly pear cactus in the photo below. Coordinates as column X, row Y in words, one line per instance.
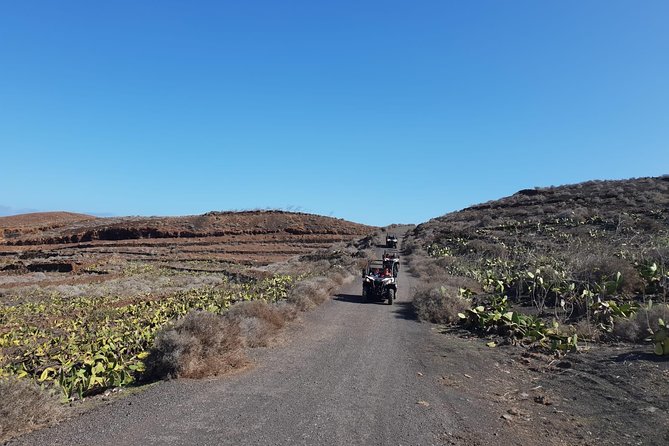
column 661, row 339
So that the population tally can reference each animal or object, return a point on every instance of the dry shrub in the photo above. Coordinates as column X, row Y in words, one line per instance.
column 627, row 329
column 339, row 276
column 198, row 345
column 204, row 344
column 410, row 246
column 638, row 327
column 256, row 332
column 439, row 304
column 259, row 309
column 431, row 270
column 601, row 268
column 259, row 321
column 586, row 330
column 25, row 406
column 468, row 283
column 487, row 249
column 311, row 292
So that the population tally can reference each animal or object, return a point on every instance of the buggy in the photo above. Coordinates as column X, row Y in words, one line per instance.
column 391, row 241
column 392, row 257
column 379, row 280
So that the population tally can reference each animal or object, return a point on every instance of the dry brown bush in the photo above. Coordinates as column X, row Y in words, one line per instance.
column 627, row 329
column 311, row 292
column 430, row 269
column 198, row 345
column 259, row 309
column 259, row 321
column 439, row 304
column 586, row 330
column 410, row 246
column 488, row 249
column 256, row 332
column 203, row 344
column 601, row 268
column 465, row 283
column 25, row 406
column 639, row 327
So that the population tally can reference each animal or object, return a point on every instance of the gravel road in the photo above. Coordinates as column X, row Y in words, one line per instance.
column 349, row 373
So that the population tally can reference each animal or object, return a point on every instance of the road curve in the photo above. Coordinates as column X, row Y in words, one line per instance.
column 352, row 373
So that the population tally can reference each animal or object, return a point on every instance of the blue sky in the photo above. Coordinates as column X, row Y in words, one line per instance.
column 376, row 112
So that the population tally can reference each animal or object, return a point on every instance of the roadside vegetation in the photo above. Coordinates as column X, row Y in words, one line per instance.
column 555, row 268
column 59, row 344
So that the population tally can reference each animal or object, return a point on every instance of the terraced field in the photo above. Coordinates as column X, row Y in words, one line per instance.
column 40, row 248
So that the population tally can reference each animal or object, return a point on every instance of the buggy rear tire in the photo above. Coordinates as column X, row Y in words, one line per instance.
column 391, row 296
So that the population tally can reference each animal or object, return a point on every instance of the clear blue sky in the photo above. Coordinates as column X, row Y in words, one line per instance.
column 372, row 111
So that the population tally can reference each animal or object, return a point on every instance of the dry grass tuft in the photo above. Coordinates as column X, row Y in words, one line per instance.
column 439, row 304
column 25, row 406
column 198, row 345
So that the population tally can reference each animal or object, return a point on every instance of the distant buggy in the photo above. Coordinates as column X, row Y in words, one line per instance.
column 391, row 241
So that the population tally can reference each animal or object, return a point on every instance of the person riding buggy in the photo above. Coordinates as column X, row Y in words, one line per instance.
column 379, row 281
column 391, row 260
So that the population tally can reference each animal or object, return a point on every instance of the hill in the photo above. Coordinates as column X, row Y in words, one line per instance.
column 35, row 222
column 64, row 242
column 592, row 254
column 615, row 210
column 578, row 268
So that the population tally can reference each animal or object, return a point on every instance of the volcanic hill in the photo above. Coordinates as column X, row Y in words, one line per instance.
column 65, row 242
column 594, row 215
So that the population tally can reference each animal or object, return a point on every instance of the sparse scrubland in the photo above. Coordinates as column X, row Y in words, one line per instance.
column 63, row 340
column 568, row 286
column 552, row 267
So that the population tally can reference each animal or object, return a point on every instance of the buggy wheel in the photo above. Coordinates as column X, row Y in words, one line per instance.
column 366, row 293
column 391, row 296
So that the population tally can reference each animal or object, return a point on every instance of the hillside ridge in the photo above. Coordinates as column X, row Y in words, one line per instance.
column 54, row 228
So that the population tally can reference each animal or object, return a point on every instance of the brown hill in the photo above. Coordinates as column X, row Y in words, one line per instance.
column 63, row 242
column 558, row 250
column 23, row 224
column 37, row 219
column 612, row 212
column 59, row 228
